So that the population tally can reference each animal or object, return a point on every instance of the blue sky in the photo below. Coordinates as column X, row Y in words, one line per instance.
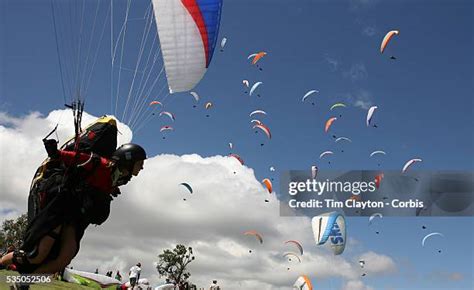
column 424, row 99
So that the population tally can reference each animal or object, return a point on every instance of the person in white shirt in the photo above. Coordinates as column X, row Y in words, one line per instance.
column 214, row 285
column 134, row 274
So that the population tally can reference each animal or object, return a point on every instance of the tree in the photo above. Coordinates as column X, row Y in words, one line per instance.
column 12, row 232
column 172, row 264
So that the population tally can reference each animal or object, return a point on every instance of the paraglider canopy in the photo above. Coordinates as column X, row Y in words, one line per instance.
column 429, row 236
column 188, row 187
column 330, row 227
column 254, row 87
column 188, row 34
column 387, row 39
column 409, row 163
column 265, row 129
column 370, row 114
column 302, row 283
column 268, row 185
column 329, row 123
column 308, row 94
column 256, row 56
column 297, row 244
column 255, row 234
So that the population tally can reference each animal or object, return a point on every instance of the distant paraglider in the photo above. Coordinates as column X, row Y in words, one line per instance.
column 195, row 96
column 265, row 129
column 309, row 93
column 325, row 153
column 387, row 39
column 297, row 244
column 370, row 114
column 302, row 283
column 337, row 105
column 166, row 128
column 372, row 217
column 409, row 163
column 429, row 236
column 155, row 103
column 188, row 187
column 378, row 179
column 256, row 56
column 170, row 115
column 329, row 123
column 268, row 185
column 237, row 157
column 377, row 152
column 254, row 87
column 343, row 138
column 255, row 234
column 291, row 254
column 257, row 112
column 330, row 227
column 223, row 42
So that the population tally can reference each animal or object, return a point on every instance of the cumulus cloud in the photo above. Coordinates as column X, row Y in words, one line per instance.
column 150, row 215
column 21, row 145
column 355, row 285
column 378, row 264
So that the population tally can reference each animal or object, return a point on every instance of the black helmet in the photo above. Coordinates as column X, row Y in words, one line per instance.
column 128, row 154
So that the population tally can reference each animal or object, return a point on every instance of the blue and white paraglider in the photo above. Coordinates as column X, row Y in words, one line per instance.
column 330, row 227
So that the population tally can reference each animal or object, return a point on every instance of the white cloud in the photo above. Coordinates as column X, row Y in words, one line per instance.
column 377, row 264
column 355, row 285
column 22, row 147
column 357, row 72
column 442, row 276
column 369, row 31
column 361, row 99
column 333, row 63
column 151, row 215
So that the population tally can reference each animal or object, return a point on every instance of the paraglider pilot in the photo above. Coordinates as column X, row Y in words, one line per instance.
column 80, row 196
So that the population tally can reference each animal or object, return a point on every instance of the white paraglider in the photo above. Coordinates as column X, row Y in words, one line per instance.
column 409, row 163
column 430, row 235
column 370, row 114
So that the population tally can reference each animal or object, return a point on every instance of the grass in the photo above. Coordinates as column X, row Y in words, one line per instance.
column 54, row 285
